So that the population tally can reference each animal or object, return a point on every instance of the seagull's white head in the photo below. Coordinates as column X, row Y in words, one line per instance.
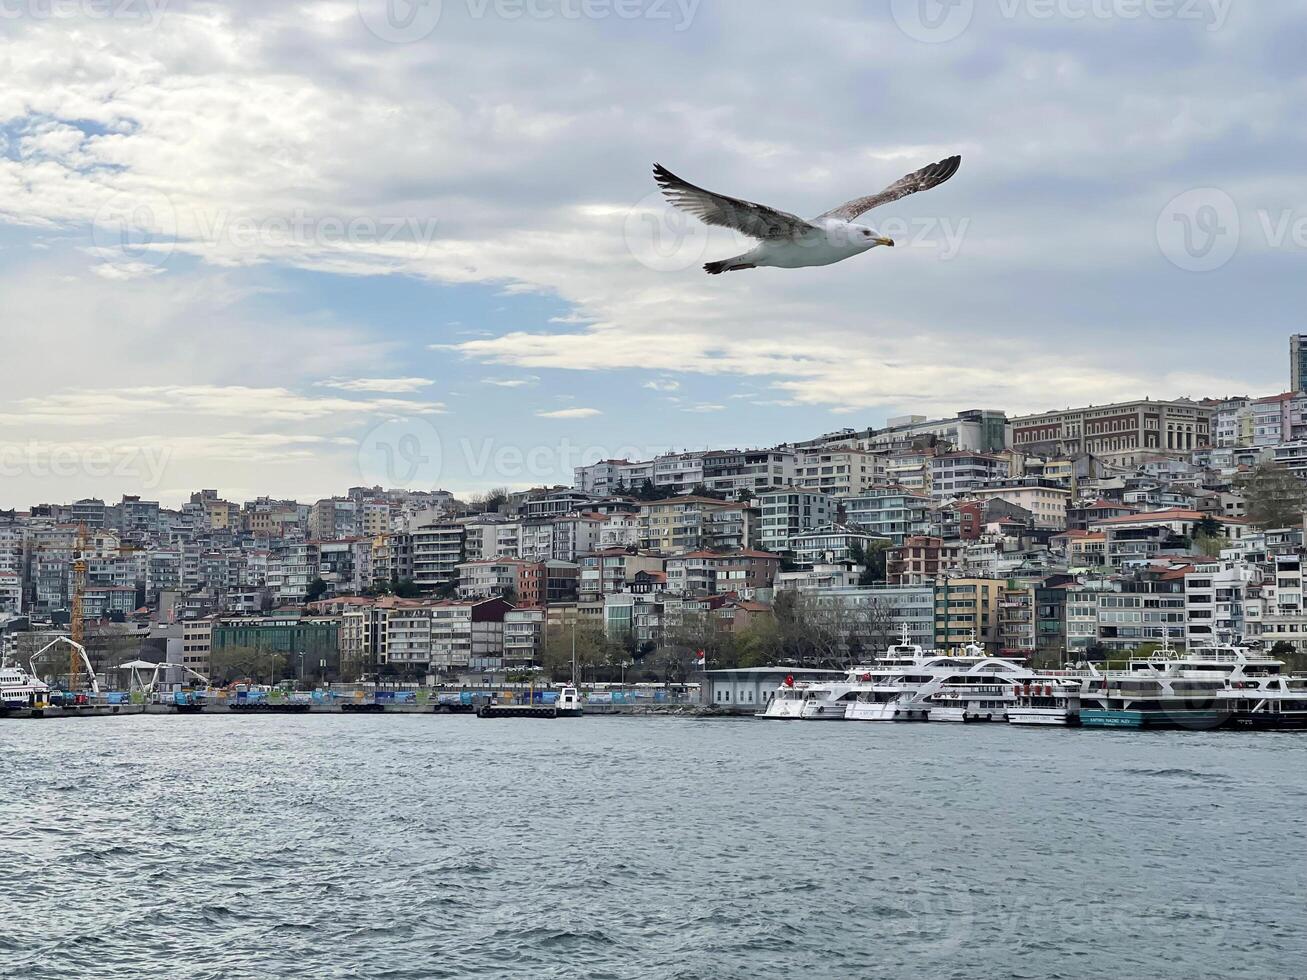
column 869, row 237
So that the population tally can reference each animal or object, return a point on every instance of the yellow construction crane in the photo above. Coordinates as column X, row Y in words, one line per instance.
column 76, row 627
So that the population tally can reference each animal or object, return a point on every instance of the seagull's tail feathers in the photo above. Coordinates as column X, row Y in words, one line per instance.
column 727, row 265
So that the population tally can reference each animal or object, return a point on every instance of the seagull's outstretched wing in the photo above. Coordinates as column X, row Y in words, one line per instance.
column 923, row 180
column 754, row 220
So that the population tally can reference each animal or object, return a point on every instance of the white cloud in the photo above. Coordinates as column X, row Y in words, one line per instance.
column 109, row 406
column 663, row 384
column 703, row 407
column 511, row 382
column 390, row 386
column 570, row 413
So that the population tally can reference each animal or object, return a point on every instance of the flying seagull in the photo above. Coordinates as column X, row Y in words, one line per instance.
column 787, row 241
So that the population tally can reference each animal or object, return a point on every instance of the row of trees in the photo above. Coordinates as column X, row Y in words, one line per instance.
column 239, row 663
column 1273, row 496
column 800, row 631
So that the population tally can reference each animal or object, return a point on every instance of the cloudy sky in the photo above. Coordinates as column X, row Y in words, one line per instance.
column 292, row 247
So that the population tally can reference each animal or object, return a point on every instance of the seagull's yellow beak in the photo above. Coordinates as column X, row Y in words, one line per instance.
column 884, row 241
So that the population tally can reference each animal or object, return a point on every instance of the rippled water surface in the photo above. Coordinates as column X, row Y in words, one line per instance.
column 428, row 846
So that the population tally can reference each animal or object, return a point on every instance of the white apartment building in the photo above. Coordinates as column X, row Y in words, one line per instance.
column 197, row 638
column 1232, row 424
column 1292, row 456
column 790, row 511
column 481, row 536
column 1217, row 600
column 837, row 472
column 1280, row 616
column 733, row 471
column 832, row 543
column 11, row 593
column 437, row 551
column 291, row 570
column 953, row 474
column 679, row 472
column 407, row 636
column 619, row 531
column 1046, row 502
column 600, row 479
column 459, row 640
column 524, row 637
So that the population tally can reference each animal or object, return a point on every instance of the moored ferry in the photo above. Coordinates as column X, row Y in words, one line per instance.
column 890, row 683
column 1206, row 687
column 1047, row 703
column 1142, row 701
column 814, row 700
column 970, row 687
column 22, row 693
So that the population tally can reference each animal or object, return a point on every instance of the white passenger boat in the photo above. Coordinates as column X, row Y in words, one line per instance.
column 21, row 692
column 786, row 704
column 901, row 671
column 1205, row 687
column 814, row 700
column 1047, row 703
column 966, row 687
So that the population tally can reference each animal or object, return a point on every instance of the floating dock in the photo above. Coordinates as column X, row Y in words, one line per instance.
column 518, row 711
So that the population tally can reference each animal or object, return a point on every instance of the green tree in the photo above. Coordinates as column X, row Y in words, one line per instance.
column 701, row 490
column 697, row 632
column 490, row 501
column 1273, row 496
column 1286, row 651
column 240, row 662
column 758, row 643
column 871, row 559
column 317, row 589
column 593, row 648
column 406, row 588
